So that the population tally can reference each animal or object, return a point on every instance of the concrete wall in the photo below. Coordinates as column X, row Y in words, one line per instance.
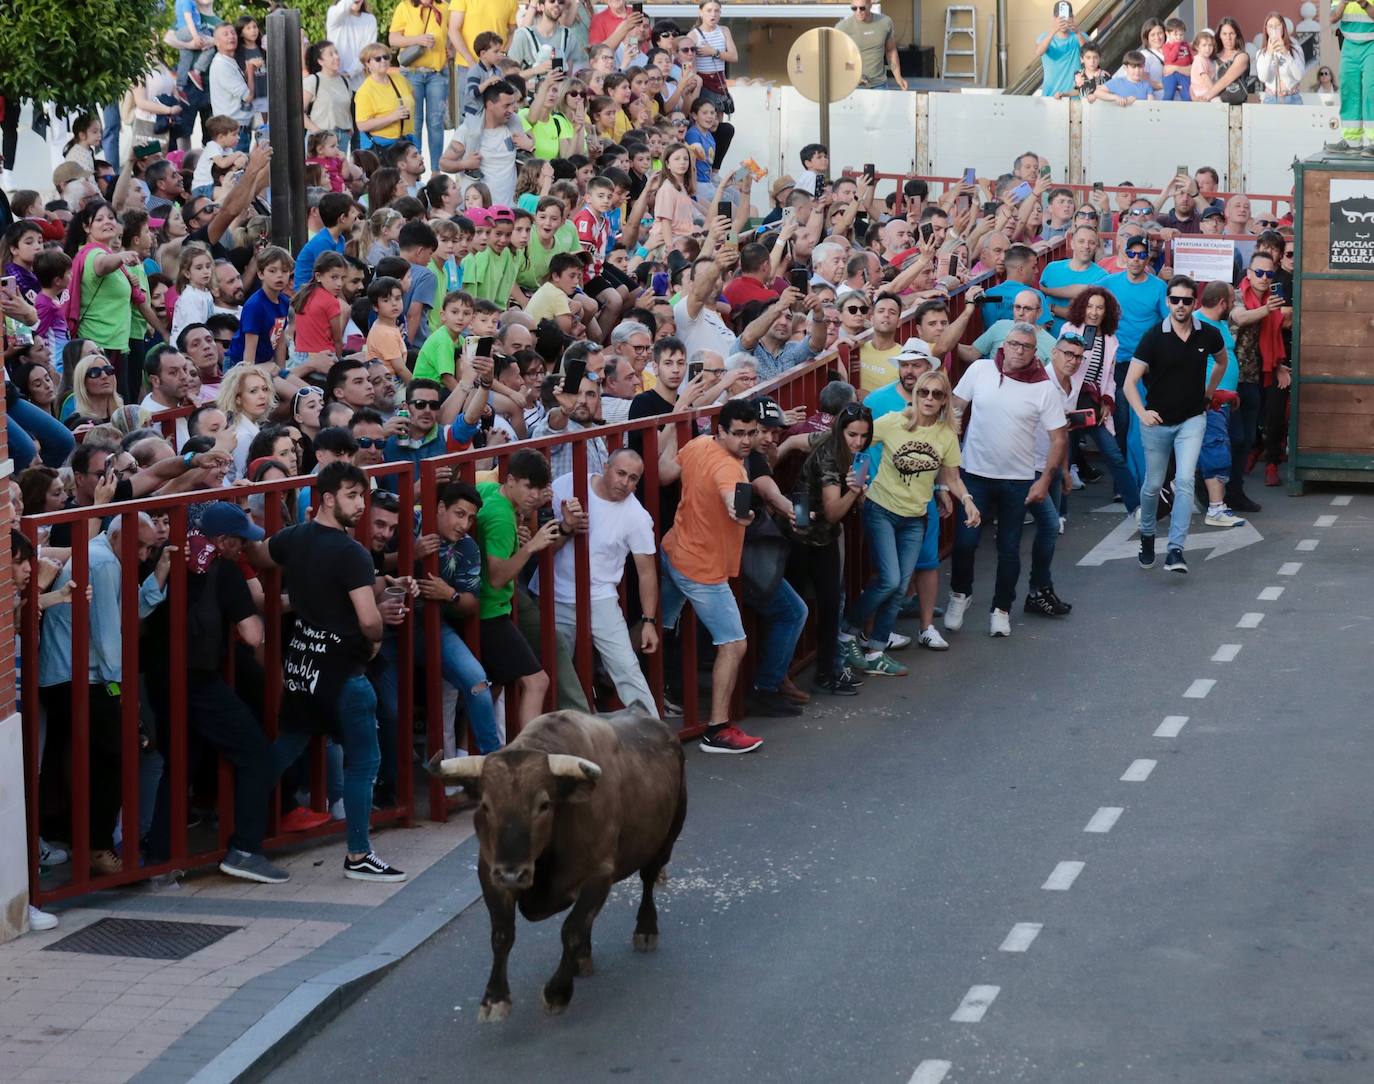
column 14, row 859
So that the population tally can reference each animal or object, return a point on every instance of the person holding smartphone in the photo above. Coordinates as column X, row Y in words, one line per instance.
column 1060, row 53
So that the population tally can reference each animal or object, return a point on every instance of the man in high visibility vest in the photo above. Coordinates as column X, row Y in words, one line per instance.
column 1356, row 24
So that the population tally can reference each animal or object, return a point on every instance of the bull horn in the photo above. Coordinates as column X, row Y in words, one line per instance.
column 455, row 767
column 573, row 767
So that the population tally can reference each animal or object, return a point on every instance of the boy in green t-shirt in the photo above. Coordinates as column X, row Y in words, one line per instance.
column 490, row 272
column 438, row 359
column 448, row 275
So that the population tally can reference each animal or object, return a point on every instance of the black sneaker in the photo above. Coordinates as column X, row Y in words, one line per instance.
column 1239, row 502
column 836, row 686
column 1059, row 605
column 771, row 704
column 1147, row 551
column 1040, row 602
column 1090, row 474
column 371, row 868
column 1174, row 562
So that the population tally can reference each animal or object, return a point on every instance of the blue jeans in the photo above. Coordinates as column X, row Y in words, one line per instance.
column 109, row 139
column 1122, row 418
column 34, row 432
column 357, row 713
column 461, row 670
column 713, row 603
column 1005, row 498
column 1281, row 99
column 431, row 103
column 1046, row 514
column 1177, row 88
column 894, row 543
column 1127, row 488
column 1184, row 441
column 784, row 618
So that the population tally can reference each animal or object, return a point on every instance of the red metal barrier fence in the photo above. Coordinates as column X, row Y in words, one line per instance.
column 798, row 387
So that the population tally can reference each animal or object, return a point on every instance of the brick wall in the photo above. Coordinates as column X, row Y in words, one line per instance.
column 7, row 630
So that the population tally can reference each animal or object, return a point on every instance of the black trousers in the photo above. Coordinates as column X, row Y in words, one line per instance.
column 216, row 715
column 820, row 565
column 1275, row 423
column 104, row 751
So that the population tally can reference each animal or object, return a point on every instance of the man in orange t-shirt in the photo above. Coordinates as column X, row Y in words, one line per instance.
column 702, row 552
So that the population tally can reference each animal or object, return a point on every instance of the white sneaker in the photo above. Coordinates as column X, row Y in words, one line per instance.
column 1063, row 523
column 1074, row 480
column 1000, row 624
column 1224, row 518
column 50, row 856
column 955, row 609
column 41, row 920
column 896, row 641
column 336, row 810
column 931, row 639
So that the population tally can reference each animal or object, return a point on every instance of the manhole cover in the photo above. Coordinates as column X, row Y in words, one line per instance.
column 147, row 939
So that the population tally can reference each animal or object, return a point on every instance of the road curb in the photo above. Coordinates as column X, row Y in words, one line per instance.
column 436, row 897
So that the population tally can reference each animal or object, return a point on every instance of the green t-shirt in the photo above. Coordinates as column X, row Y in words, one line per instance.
column 547, row 133
column 496, row 531
column 534, row 266
column 138, row 327
column 438, row 356
column 487, row 275
column 106, row 307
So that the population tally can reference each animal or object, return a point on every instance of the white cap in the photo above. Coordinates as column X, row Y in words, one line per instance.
column 914, row 349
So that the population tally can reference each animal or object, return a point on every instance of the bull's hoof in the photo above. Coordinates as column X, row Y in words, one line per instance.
column 646, row 942
column 585, row 967
column 493, row 1012
column 555, row 1006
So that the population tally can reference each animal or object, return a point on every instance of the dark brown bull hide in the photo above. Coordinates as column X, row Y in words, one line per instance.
column 572, row 805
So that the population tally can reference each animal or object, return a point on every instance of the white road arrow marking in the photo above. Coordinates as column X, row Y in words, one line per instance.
column 1121, row 542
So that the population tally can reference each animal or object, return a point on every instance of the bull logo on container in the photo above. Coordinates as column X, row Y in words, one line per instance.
column 1352, row 223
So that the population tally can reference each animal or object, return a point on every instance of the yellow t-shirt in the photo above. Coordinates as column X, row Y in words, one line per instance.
column 912, row 458
column 548, row 303
column 413, row 20
column 876, row 367
column 498, row 16
column 374, row 99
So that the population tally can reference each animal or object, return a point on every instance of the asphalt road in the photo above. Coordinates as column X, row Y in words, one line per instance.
column 837, row 897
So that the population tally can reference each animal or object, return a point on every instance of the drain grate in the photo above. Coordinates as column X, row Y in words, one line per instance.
column 147, row 939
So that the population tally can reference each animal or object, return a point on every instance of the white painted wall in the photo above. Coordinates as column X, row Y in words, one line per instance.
column 14, row 857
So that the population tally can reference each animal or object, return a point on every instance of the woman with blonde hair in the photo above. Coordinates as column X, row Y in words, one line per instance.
column 919, row 448
column 95, row 392
column 246, row 397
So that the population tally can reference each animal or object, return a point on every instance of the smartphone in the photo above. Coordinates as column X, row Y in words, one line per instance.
column 637, row 8
column 870, row 170
column 1063, row 10
column 9, row 282
column 1182, row 171
column 820, row 187
column 799, row 279
column 970, row 175
column 1098, row 186
column 1021, row 191
column 991, row 207
column 488, row 419
column 1044, row 171
column 484, row 346
column 1279, row 291
column 726, row 210
column 573, row 372
column 1082, row 419
column 1089, row 337
column 556, row 63
column 927, row 231
column 744, row 497
column 789, row 213
column 801, row 513
column 694, row 369
column 861, row 467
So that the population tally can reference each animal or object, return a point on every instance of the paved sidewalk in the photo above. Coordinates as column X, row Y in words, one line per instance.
column 299, row 949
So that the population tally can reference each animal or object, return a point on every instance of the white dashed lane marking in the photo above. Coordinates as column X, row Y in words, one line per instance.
column 1324, row 521
column 1270, row 594
column 1226, row 653
column 1307, row 545
column 930, row 1071
column 1021, row 936
column 975, row 1004
column 1063, row 877
column 1249, row 621
column 1104, row 819
column 1139, row 771
column 1340, row 502
column 1199, row 689
column 1290, row 568
column 1171, row 726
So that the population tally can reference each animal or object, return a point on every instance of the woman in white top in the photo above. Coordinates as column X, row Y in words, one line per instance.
column 246, row 397
column 1152, row 38
column 351, row 26
column 328, row 95
column 1279, row 64
column 714, row 48
column 160, row 82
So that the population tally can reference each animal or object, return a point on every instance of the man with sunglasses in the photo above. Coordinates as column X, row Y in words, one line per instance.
column 1172, row 359
column 768, row 335
column 1141, row 297
column 435, row 426
column 875, row 36
column 1265, row 374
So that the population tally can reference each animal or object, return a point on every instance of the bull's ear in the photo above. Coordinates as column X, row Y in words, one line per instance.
column 463, row 771
column 574, row 777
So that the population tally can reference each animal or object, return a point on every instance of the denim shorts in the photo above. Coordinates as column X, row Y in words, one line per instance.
column 1215, row 459
column 714, row 604
column 930, row 544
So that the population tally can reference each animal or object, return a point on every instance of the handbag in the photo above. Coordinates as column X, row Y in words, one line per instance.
column 366, row 140
column 411, row 53
column 1233, row 93
column 763, row 560
column 715, row 88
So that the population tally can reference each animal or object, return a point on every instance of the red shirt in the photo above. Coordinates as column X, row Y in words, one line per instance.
column 744, row 289
column 314, row 323
column 595, row 233
column 605, row 23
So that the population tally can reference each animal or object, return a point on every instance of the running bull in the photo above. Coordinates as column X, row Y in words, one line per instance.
column 571, row 806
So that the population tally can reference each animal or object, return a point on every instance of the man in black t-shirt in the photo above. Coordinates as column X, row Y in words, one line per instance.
column 1172, row 361
column 338, row 629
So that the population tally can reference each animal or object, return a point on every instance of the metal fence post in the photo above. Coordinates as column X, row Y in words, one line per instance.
column 286, row 127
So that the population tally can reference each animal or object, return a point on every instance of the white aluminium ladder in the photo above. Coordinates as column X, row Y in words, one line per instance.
column 959, row 59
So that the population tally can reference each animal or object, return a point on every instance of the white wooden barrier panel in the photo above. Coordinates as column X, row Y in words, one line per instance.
column 1145, row 143
column 987, row 132
column 1273, row 135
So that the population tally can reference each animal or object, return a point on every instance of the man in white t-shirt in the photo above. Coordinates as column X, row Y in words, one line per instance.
column 485, row 143
column 1013, row 400
column 617, row 527
column 699, row 325
column 169, row 380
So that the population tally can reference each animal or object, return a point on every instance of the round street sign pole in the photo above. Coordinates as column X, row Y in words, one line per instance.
column 824, row 65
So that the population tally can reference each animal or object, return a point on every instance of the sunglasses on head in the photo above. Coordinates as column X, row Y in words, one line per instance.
column 856, row 410
column 1261, row 274
column 101, row 370
column 1180, row 299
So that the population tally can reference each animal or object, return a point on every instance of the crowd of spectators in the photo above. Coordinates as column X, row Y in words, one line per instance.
column 584, row 252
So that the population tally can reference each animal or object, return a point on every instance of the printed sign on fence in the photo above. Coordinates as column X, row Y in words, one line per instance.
column 1352, row 224
column 1204, row 259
